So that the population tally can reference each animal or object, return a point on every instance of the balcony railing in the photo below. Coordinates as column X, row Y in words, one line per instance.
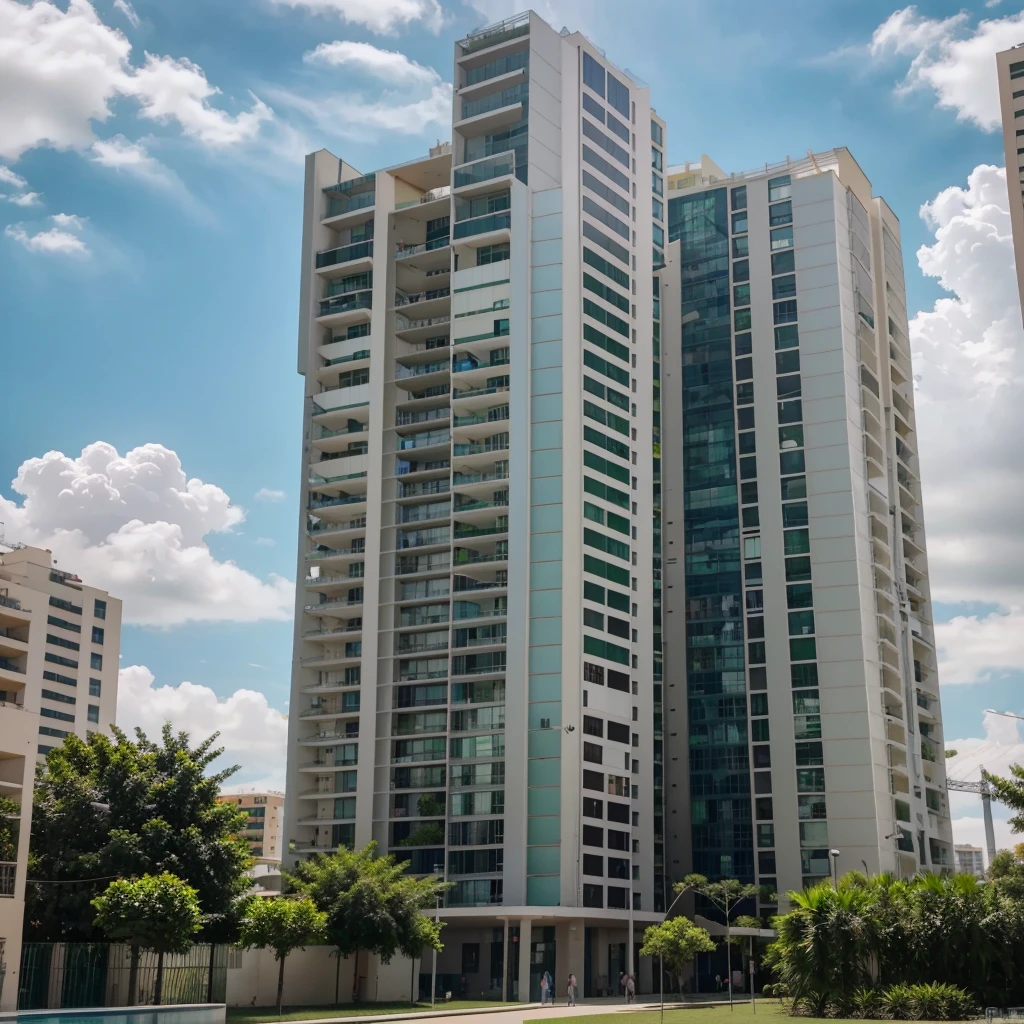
column 428, row 197
column 344, row 254
column 345, row 499
column 403, row 251
column 10, row 602
column 510, row 28
column 479, row 225
column 403, row 323
column 408, row 298
column 404, row 419
column 405, row 372
column 8, row 872
column 9, row 666
column 346, row 303
column 337, row 205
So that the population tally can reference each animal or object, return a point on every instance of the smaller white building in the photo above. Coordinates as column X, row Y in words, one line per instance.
column 969, row 860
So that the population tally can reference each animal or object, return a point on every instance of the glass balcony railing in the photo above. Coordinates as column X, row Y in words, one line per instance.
column 345, row 303
column 517, row 94
column 337, row 205
column 402, row 251
column 405, row 372
column 510, row 28
column 405, row 418
column 403, row 323
column 479, row 225
column 344, row 254
column 484, row 170
column 407, row 299
column 9, row 666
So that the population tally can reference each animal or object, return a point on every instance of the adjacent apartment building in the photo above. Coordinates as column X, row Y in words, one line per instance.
column 803, row 720
column 969, row 860
column 475, row 642
column 59, row 646
column 1010, row 72
column 265, row 810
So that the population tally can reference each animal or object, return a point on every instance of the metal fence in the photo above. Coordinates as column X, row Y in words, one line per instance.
column 64, row 975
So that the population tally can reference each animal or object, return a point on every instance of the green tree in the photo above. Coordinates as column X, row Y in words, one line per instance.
column 676, row 942
column 1010, row 792
column 10, row 824
column 158, row 912
column 115, row 807
column 282, row 924
column 372, row 904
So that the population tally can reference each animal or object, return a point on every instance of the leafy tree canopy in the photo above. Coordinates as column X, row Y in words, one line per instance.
column 1010, row 792
column 676, row 941
column 158, row 912
column 120, row 808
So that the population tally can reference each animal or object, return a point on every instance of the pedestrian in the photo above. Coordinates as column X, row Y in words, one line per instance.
column 630, row 989
column 718, row 982
column 570, row 991
column 544, row 988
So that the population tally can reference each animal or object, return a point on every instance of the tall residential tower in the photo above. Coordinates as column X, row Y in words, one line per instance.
column 802, row 697
column 1010, row 72
column 474, row 675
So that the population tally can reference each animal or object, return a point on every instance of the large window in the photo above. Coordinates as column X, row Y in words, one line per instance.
column 593, row 74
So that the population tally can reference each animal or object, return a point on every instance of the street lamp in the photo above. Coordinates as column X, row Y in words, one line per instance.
column 661, row 959
column 439, row 869
column 834, row 854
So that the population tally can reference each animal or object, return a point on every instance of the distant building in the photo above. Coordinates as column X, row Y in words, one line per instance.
column 1010, row 71
column 59, row 648
column 263, row 829
column 969, row 860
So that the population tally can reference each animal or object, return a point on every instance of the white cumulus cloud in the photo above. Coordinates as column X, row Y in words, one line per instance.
column 382, row 16
column 53, row 240
column 950, row 58
column 252, row 733
column 26, row 199
column 136, row 525
column 132, row 158
column 9, row 177
column 61, row 71
column 389, row 65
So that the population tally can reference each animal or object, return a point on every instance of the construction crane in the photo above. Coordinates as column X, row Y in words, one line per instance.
column 984, row 789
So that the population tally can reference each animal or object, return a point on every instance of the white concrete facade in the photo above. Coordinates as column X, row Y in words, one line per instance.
column 474, row 654
column 969, row 860
column 44, row 699
column 1010, row 72
column 843, row 724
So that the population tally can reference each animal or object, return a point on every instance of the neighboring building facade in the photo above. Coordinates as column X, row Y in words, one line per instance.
column 77, row 645
column 265, row 810
column 474, row 677
column 1010, row 71
column 803, row 701
column 48, row 620
column 969, row 860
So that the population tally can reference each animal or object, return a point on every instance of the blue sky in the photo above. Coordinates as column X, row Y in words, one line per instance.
column 150, row 284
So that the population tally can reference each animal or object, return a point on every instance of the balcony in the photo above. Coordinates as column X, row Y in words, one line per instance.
column 428, row 302
column 345, row 255
column 340, row 206
column 435, row 194
column 419, row 329
column 480, row 174
column 340, row 310
column 337, row 633
column 492, row 223
column 335, row 404
column 11, row 672
column 425, row 256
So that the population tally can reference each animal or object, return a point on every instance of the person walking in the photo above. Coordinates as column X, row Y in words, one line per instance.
column 570, row 991
column 544, row 988
column 630, row 989
column 718, row 982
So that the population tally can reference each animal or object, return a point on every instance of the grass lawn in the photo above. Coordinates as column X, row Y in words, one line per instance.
column 769, row 1011
column 264, row 1015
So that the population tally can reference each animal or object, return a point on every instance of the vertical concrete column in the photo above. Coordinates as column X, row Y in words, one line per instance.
column 504, row 964
column 569, row 956
column 525, row 939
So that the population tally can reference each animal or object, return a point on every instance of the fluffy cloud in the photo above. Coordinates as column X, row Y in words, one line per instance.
column 132, row 158
column 53, row 240
column 136, row 525
column 382, row 16
column 8, row 177
column 26, row 199
column 948, row 57
column 252, row 733
column 61, row 70
column 389, row 65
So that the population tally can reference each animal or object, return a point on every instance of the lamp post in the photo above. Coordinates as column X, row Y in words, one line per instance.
column 834, row 856
column 439, row 869
column 661, row 959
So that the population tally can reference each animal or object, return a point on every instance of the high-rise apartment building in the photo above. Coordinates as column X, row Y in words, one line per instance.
column 265, row 810
column 1010, row 71
column 803, row 715
column 475, row 646
column 50, row 623
column 71, row 666
column 969, row 860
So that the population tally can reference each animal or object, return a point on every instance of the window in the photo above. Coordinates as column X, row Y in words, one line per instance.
column 791, row 437
column 803, row 676
column 790, row 411
column 618, row 96
column 45, row 730
column 741, row 246
column 97, row 635
column 782, row 213
column 741, row 319
column 739, row 223
column 657, row 161
column 593, row 865
column 593, row 808
column 593, row 674
column 593, row 753
column 779, row 188
column 93, row 713
column 99, row 609
column 791, row 462
column 741, row 295
column 784, row 287
column 808, row 754
column 811, row 808
column 593, row 74
column 765, row 835
column 783, row 262
column 798, row 595
column 781, row 238
column 801, row 623
column 741, row 271
column 471, row 958
column 785, row 312
column 62, row 716
column 810, row 780
column 657, row 135
column 62, row 697
column 96, row 662
column 794, row 487
column 739, row 198
column 797, row 542
column 593, row 896
column 787, row 362
column 763, row 808
column 59, row 641
column 593, row 726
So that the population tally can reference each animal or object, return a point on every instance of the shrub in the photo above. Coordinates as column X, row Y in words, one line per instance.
column 939, row 1001
column 867, row 1004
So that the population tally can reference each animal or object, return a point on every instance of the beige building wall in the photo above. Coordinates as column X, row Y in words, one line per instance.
column 263, row 829
column 1010, row 69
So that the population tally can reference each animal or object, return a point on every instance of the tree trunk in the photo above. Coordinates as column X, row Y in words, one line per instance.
column 158, row 990
column 337, row 977
column 355, row 978
column 679, row 977
column 133, row 978
column 280, row 986
column 209, row 980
